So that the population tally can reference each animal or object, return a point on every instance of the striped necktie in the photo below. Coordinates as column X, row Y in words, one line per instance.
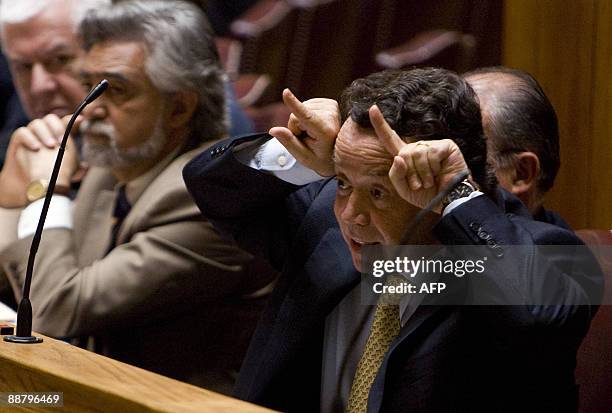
column 385, row 327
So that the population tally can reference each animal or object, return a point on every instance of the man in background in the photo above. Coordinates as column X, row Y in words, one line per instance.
column 131, row 263
column 11, row 112
column 40, row 42
column 522, row 134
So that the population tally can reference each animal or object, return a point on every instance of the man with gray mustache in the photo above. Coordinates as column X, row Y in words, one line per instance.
column 131, row 264
column 109, row 154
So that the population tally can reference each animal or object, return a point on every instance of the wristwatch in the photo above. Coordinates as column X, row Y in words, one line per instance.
column 38, row 188
column 462, row 190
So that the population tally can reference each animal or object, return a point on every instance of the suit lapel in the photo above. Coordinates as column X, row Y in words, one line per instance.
column 164, row 189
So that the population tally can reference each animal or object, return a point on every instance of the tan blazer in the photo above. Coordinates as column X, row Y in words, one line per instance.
column 172, row 297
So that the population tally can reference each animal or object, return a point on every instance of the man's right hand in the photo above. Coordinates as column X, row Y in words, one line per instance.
column 311, row 132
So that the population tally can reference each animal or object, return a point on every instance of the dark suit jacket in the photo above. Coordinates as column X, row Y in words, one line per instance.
column 551, row 217
column 446, row 358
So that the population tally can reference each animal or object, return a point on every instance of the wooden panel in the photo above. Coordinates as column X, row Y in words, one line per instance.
column 601, row 213
column 93, row 383
column 565, row 44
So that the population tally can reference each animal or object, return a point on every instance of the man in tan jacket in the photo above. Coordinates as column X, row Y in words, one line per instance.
column 131, row 262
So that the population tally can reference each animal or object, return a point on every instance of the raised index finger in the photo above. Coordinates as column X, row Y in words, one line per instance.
column 389, row 138
column 300, row 110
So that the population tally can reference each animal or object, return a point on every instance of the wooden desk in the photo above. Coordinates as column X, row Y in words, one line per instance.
column 94, row 383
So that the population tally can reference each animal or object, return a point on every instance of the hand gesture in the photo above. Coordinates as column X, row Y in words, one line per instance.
column 311, row 132
column 420, row 169
column 31, row 155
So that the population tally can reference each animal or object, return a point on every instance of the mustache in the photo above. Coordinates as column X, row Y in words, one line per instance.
column 97, row 127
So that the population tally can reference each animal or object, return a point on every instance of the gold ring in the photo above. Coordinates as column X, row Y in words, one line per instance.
column 422, row 143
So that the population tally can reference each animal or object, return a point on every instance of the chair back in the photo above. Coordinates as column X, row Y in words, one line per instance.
column 594, row 361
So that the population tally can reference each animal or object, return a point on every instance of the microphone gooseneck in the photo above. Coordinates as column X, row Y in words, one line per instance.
column 24, row 311
column 416, row 221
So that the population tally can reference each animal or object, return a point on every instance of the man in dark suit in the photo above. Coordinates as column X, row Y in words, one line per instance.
column 522, row 132
column 318, row 347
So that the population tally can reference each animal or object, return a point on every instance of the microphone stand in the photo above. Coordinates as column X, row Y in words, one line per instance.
column 24, row 311
column 416, row 221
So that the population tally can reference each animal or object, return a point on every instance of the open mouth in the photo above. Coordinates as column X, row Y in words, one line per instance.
column 358, row 244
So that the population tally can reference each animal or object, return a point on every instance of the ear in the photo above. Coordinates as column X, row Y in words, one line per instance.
column 527, row 171
column 181, row 108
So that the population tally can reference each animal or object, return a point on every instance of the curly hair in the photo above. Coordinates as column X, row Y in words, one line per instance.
column 424, row 104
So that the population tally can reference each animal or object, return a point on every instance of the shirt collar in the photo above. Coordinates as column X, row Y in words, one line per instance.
column 136, row 187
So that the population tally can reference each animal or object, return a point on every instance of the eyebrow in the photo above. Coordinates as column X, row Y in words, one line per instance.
column 51, row 52
column 106, row 75
column 379, row 171
column 59, row 47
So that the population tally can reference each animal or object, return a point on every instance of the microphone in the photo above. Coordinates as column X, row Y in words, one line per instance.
column 94, row 94
column 24, row 311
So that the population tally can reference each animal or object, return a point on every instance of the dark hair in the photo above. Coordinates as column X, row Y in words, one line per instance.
column 182, row 55
column 521, row 118
column 424, row 104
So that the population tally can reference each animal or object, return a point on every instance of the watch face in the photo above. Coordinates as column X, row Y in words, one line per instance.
column 461, row 191
column 36, row 190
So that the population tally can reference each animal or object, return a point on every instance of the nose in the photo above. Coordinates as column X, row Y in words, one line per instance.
column 96, row 110
column 42, row 82
column 355, row 210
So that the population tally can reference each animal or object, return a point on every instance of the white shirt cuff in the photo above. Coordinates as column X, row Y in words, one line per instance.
column 460, row 201
column 272, row 157
column 58, row 216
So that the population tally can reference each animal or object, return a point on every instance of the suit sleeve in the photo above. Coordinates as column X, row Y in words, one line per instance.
column 261, row 212
column 544, row 267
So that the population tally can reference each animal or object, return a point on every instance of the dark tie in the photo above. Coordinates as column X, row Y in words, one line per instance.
column 122, row 209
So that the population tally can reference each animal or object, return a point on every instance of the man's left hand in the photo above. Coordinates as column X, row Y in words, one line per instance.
column 420, row 169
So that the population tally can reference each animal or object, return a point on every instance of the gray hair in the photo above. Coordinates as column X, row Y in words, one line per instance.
column 182, row 55
column 12, row 11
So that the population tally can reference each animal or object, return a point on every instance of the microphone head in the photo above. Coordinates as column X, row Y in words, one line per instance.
column 97, row 91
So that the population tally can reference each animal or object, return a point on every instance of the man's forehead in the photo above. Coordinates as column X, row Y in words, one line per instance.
column 47, row 49
column 115, row 60
column 359, row 148
column 40, row 36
